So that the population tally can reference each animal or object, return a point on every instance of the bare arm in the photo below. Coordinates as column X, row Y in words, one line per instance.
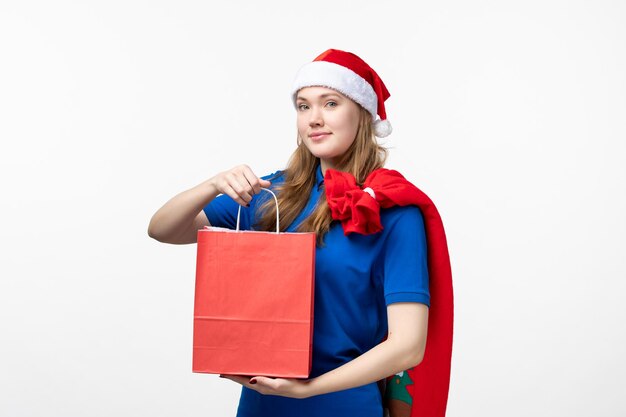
column 180, row 218
column 403, row 349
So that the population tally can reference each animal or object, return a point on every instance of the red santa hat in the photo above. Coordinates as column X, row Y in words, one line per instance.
column 352, row 77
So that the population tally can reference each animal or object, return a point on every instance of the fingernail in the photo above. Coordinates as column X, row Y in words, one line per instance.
column 253, row 381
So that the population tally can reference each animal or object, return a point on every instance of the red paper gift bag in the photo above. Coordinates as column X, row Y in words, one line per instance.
column 253, row 308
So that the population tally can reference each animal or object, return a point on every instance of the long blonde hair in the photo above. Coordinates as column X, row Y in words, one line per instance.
column 364, row 156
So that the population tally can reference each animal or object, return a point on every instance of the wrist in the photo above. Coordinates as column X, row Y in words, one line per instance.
column 312, row 388
column 210, row 188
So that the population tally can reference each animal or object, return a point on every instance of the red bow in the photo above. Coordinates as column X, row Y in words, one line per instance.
column 359, row 211
column 357, row 208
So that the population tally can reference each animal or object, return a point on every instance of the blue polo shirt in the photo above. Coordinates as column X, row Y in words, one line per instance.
column 356, row 277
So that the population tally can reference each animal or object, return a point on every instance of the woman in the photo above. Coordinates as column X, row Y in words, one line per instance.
column 372, row 275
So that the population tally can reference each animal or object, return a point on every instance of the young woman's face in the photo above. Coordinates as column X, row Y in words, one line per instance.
column 327, row 122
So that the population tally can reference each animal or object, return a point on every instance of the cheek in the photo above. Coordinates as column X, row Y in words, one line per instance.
column 350, row 123
column 301, row 126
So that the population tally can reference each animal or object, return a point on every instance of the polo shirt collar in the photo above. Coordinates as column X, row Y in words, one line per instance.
column 319, row 177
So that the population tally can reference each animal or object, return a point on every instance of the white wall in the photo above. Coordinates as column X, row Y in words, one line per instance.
column 510, row 115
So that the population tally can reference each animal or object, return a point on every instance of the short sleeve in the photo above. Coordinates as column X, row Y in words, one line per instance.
column 405, row 260
column 222, row 210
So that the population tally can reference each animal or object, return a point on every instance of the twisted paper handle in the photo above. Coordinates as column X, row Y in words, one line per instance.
column 277, row 216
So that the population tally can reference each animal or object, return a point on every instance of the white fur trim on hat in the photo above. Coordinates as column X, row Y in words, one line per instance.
column 337, row 77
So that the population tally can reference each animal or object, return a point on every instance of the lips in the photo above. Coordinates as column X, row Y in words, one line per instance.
column 318, row 135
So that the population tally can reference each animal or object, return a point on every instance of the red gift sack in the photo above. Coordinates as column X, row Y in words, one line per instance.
column 253, row 308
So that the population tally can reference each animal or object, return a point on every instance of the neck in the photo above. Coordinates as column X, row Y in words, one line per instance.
column 326, row 164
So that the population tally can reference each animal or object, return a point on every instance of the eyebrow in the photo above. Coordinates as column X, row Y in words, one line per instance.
column 322, row 96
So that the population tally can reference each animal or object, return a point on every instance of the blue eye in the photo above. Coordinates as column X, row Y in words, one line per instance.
column 332, row 104
column 302, row 107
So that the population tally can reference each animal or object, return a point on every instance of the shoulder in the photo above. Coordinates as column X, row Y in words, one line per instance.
column 275, row 177
column 402, row 217
column 404, row 230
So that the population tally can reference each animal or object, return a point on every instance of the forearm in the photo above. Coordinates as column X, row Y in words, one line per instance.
column 176, row 216
column 385, row 359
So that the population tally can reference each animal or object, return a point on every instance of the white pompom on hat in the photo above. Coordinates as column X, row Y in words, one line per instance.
column 352, row 77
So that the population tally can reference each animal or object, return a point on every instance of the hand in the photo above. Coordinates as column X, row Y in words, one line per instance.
column 292, row 388
column 240, row 183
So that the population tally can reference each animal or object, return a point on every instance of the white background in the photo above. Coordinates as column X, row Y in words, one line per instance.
column 509, row 115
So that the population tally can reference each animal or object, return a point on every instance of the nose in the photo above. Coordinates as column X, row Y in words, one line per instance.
column 315, row 117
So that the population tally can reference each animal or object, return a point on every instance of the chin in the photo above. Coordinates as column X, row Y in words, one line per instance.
column 322, row 154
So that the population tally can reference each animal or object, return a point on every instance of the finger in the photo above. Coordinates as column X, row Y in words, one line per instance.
column 256, row 182
column 252, row 179
column 229, row 191
column 239, row 379
column 239, row 183
column 264, row 381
